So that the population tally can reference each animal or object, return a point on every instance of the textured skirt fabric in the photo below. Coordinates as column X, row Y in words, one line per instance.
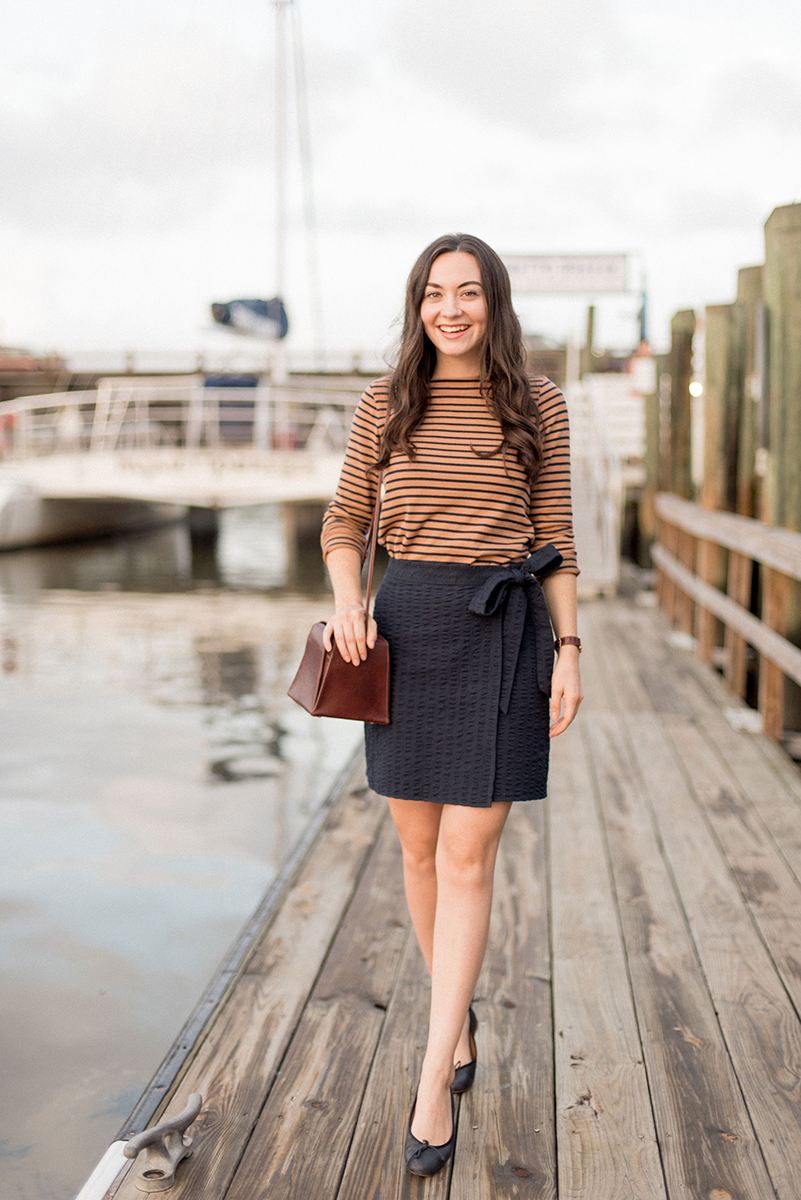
column 471, row 652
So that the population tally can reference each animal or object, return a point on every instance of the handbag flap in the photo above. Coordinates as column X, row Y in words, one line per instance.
column 305, row 687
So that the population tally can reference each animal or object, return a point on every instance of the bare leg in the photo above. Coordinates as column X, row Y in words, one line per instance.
column 418, row 823
column 467, row 845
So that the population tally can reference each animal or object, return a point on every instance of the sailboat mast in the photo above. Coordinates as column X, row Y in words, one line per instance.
column 280, row 146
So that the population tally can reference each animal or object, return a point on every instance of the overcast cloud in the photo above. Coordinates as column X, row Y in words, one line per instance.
column 136, row 159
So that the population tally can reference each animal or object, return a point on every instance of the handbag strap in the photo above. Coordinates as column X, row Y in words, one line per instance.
column 372, row 539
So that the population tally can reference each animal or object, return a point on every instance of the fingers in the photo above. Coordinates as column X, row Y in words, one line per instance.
column 560, row 723
column 350, row 635
column 372, row 633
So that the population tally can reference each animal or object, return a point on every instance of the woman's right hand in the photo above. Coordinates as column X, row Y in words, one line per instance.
column 347, row 627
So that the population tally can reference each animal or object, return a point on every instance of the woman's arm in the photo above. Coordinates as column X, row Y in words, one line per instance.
column 345, row 525
column 560, row 594
column 348, row 623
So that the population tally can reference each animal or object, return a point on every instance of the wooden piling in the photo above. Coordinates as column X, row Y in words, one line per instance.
column 722, row 380
column 682, row 328
column 782, row 506
column 783, row 296
column 749, row 314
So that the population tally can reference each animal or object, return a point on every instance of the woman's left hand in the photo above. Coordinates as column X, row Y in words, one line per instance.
column 565, row 686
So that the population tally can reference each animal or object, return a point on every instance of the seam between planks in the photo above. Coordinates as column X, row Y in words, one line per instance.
column 676, row 889
column 734, row 875
column 546, row 831
column 622, row 935
column 627, row 737
column 753, row 808
column 369, row 1071
column 716, row 691
column 302, row 1009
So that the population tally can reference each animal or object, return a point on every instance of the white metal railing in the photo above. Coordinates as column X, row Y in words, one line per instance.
column 124, row 415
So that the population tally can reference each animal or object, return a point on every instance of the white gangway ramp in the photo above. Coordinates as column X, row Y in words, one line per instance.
column 597, row 487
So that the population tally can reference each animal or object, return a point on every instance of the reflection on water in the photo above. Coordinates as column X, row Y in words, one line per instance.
column 153, row 777
column 249, row 550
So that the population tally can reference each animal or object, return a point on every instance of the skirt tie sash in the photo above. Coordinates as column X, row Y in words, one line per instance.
column 512, row 590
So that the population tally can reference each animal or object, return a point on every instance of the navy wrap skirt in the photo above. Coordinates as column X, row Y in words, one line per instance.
column 471, row 652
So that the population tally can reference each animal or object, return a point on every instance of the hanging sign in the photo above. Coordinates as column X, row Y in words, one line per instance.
column 567, row 272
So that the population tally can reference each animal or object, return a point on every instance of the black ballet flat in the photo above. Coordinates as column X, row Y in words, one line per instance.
column 421, row 1157
column 464, row 1076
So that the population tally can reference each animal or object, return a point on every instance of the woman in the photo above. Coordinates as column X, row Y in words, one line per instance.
column 476, row 510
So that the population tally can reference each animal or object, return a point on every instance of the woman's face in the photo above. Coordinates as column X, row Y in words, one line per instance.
column 454, row 311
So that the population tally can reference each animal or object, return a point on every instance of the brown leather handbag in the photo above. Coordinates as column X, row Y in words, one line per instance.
column 326, row 685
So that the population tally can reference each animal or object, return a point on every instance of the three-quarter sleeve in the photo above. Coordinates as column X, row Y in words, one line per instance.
column 347, row 518
column 551, row 508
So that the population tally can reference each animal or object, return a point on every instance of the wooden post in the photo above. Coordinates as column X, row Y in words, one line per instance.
column 718, row 487
column 705, row 621
column 783, row 296
column 651, row 485
column 669, row 538
column 775, row 594
column 749, row 298
column 585, row 357
column 782, row 282
column 738, row 586
column 686, row 605
column 721, row 408
column 682, row 328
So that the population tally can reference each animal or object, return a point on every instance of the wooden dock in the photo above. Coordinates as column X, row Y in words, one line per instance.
column 639, row 1030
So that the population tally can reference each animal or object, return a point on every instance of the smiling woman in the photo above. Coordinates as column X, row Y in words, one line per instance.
column 454, row 313
column 477, row 521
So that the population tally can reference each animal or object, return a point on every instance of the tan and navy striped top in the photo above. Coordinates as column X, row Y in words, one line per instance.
column 448, row 504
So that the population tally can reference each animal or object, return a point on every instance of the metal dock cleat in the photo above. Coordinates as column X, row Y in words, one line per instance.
column 164, row 1146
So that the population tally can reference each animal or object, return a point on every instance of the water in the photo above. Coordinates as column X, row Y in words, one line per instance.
column 153, row 778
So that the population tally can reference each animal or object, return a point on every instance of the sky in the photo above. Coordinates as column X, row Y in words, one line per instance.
column 137, row 170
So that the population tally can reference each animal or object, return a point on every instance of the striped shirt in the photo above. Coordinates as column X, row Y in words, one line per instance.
column 448, row 504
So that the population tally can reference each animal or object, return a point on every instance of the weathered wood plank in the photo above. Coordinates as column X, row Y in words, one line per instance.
column 375, row 1166
column 686, row 601
column 234, row 1067
column 708, row 571
column 776, row 547
column 771, row 645
column 507, row 1140
column 606, row 1142
column 775, row 601
column 776, row 791
column 781, row 763
column 301, row 1140
column 674, row 680
column 738, row 588
column 758, row 1021
column 640, row 671
column 626, row 693
column 705, row 1136
column 768, row 885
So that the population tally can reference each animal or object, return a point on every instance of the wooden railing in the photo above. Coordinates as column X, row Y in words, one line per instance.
column 691, row 565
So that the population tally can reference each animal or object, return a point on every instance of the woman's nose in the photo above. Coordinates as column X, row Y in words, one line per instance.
column 450, row 305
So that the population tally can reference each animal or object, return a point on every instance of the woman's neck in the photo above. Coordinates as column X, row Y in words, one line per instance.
column 461, row 366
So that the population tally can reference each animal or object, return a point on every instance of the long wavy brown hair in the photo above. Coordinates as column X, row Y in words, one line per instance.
column 503, row 382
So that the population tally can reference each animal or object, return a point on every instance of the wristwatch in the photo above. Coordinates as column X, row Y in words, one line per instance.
column 566, row 641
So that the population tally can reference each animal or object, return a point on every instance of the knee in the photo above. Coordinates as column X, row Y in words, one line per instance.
column 420, row 859
column 466, row 866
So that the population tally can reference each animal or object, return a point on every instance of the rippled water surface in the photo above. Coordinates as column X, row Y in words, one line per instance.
column 153, row 778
